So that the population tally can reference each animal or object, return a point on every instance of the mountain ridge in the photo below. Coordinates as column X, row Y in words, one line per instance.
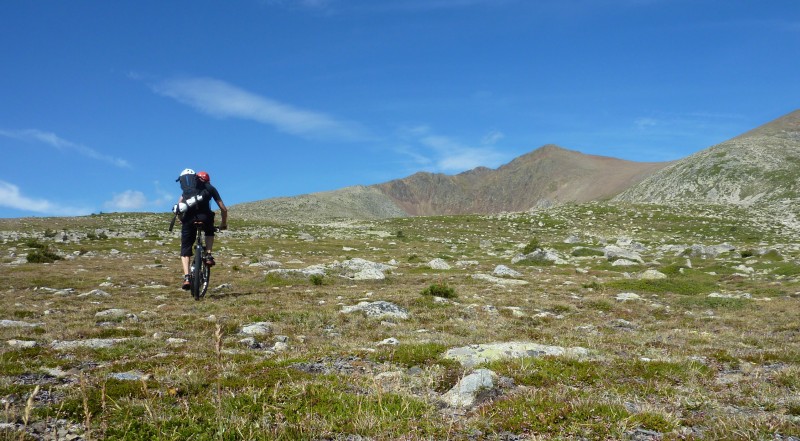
column 758, row 167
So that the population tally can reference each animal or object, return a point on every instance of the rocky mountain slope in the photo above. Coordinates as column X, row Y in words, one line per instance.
column 357, row 202
column 547, row 176
column 758, row 168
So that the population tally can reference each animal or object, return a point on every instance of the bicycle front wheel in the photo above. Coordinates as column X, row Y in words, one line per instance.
column 205, row 277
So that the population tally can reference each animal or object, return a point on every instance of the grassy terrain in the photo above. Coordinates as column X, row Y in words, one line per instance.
column 675, row 363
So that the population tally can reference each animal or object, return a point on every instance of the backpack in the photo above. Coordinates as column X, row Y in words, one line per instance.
column 190, row 186
column 193, row 192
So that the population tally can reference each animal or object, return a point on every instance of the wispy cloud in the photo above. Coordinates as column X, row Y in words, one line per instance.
column 686, row 122
column 311, row 4
column 446, row 154
column 374, row 6
column 12, row 197
column 53, row 140
column 223, row 100
column 128, row 200
column 428, row 5
column 135, row 200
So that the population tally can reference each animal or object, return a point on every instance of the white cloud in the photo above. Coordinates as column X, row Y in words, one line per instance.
column 492, row 138
column 128, row 200
column 223, row 100
column 445, row 154
column 53, row 140
column 644, row 123
column 452, row 156
column 164, row 197
column 11, row 197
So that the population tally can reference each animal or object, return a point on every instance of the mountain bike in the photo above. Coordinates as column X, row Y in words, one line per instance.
column 199, row 272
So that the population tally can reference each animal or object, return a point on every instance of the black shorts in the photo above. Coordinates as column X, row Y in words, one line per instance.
column 189, row 231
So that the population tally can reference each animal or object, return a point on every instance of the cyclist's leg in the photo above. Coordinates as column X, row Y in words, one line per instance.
column 188, row 235
column 209, row 227
column 209, row 230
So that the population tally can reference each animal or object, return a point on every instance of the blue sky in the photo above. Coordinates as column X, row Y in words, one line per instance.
column 103, row 103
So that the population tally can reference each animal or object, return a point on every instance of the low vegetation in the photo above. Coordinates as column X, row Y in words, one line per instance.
column 707, row 348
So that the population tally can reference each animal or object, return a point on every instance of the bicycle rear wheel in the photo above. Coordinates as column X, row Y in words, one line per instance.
column 197, row 274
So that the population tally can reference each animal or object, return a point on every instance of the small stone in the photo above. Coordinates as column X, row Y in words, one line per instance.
column 259, row 328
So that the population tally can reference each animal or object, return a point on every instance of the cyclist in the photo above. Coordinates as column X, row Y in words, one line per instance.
column 200, row 212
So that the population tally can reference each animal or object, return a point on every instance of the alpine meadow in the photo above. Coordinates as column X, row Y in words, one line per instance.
column 559, row 296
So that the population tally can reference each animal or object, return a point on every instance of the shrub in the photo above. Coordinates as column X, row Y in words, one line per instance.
column 317, row 279
column 42, row 256
column 440, row 290
column 33, row 243
column 531, row 246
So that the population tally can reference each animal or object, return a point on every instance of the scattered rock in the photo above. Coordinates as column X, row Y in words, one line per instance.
column 129, row 376
column 439, row 264
column 730, row 296
column 23, row 344
column 92, row 343
column 360, row 269
column 379, row 309
column 613, row 252
column 95, row 293
column 472, row 389
column 258, row 328
column 369, row 274
column 709, row 251
column 306, row 237
column 625, row 296
column 652, row 274
column 504, row 271
column 622, row 324
column 499, row 280
column 18, row 324
column 540, row 255
column 472, row 355
column 111, row 314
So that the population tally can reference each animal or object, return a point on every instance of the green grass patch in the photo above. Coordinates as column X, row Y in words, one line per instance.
column 409, row 355
column 280, row 280
column 786, row 269
column 713, row 303
column 546, row 413
column 600, row 305
column 690, row 283
column 586, row 252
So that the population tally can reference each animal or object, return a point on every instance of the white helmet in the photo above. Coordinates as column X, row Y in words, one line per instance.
column 187, row 171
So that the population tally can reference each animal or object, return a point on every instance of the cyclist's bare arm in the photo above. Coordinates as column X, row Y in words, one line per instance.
column 224, row 210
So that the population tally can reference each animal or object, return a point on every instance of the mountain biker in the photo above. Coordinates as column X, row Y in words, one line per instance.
column 200, row 212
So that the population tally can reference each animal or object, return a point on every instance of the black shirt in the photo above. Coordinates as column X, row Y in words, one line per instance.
column 204, row 206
